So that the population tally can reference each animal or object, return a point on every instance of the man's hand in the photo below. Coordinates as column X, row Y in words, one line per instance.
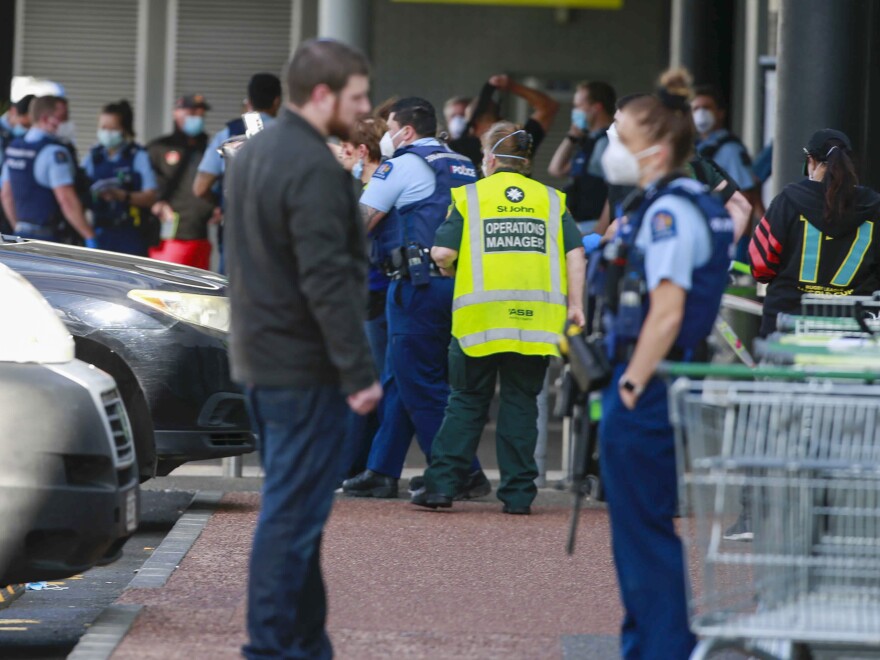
column 114, row 195
column 501, row 81
column 163, row 211
column 216, row 216
column 576, row 316
column 365, row 401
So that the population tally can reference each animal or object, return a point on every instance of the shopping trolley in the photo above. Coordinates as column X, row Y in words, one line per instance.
column 807, row 445
column 834, row 315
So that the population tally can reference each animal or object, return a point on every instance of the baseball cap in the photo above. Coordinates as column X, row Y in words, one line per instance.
column 817, row 144
column 192, row 102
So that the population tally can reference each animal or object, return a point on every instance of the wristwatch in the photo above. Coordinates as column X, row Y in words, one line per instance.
column 626, row 384
column 573, row 138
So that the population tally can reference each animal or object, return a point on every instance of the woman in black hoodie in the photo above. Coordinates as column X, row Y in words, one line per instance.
column 819, row 235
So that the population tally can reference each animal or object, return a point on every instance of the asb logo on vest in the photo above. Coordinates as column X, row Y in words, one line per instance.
column 514, row 194
column 514, row 236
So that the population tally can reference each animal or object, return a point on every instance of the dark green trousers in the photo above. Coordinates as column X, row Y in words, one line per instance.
column 472, row 381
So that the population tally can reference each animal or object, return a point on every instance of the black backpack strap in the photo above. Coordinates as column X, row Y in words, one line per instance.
column 710, row 150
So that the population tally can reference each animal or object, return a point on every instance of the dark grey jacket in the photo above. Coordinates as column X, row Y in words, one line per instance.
column 296, row 263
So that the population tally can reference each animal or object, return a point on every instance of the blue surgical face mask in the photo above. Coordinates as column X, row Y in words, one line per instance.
column 109, row 139
column 18, row 130
column 358, row 170
column 193, row 125
column 579, row 118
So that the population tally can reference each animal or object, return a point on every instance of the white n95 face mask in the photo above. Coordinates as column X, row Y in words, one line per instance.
column 457, row 126
column 704, row 120
column 386, row 144
column 612, row 133
column 621, row 166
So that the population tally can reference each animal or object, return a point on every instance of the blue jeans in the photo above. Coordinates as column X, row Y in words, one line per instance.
column 301, row 437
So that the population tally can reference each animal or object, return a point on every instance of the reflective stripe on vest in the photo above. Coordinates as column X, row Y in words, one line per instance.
column 488, row 317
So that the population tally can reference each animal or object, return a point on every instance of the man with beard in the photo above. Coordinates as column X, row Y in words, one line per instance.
column 297, row 273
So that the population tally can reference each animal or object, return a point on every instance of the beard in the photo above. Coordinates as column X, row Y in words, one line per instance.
column 335, row 126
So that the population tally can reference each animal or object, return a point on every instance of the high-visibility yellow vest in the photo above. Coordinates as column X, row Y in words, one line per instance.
column 510, row 283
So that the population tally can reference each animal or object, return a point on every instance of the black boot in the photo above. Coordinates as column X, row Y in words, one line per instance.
column 370, row 484
column 477, row 485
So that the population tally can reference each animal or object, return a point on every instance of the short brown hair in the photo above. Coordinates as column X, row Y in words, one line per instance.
column 323, row 62
column 43, row 106
column 368, row 131
column 519, row 146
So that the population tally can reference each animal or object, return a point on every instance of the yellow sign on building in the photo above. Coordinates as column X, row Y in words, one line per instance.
column 551, row 4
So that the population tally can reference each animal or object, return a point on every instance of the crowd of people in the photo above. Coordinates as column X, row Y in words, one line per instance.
column 404, row 267
column 156, row 200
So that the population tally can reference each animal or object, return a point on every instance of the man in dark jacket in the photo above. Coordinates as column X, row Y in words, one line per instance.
column 175, row 159
column 297, row 272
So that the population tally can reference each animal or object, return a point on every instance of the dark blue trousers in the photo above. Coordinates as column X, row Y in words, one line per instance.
column 416, row 381
column 127, row 240
column 301, row 438
column 362, row 428
column 639, row 477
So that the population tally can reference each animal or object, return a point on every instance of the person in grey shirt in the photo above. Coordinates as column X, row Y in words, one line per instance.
column 297, row 281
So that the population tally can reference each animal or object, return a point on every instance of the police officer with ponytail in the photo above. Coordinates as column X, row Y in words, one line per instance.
column 123, row 183
column 519, row 268
column 664, row 273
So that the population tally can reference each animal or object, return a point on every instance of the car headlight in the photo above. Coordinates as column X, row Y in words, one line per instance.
column 206, row 311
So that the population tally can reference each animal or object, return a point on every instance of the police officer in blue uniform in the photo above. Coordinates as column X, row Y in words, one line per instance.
column 38, row 180
column 263, row 96
column 406, row 201
column 14, row 123
column 123, row 183
column 664, row 274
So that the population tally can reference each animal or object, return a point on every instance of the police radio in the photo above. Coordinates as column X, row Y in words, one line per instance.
column 417, row 265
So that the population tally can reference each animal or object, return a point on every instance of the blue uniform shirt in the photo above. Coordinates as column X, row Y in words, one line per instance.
column 212, row 162
column 401, row 181
column 5, row 125
column 141, row 166
column 733, row 157
column 675, row 241
column 53, row 166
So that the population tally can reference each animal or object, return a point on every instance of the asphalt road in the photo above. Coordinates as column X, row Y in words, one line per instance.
column 47, row 624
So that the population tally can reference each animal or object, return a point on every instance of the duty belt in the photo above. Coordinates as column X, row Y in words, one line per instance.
column 33, row 230
column 699, row 353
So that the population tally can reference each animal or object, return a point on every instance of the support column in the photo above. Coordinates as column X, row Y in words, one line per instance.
column 347, row 21
column 753, row 81
column 821, row 81
column 681, row 34
column 154, row 84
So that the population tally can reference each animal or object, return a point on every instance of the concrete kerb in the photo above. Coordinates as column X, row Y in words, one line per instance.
column 110, row 628
column 167, row 557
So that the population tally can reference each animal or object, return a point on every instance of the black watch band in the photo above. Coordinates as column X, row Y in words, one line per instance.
column 629, row 386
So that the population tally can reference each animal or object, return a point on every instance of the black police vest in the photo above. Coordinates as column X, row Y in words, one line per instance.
column 623, row 321
column 34, row 203
column 116, row 213
column 586, row 194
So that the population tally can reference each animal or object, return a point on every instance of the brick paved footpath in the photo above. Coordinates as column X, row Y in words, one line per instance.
column 404, row 583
